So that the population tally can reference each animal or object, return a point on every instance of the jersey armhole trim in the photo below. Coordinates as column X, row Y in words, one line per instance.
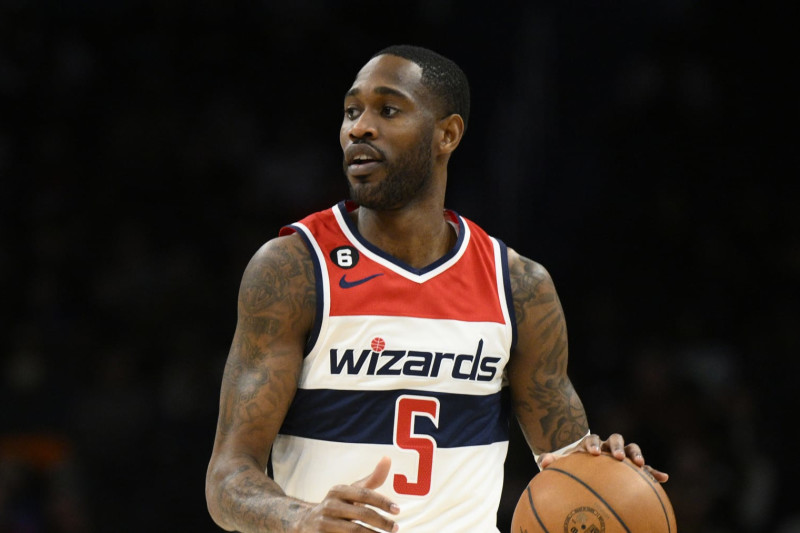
column 319, row 286
column 509, row 297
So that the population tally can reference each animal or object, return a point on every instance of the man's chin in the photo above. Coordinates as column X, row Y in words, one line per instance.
column 365, row 194
column 371, row 201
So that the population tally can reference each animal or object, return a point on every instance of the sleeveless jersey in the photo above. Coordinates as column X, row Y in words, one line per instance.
column 407, row 363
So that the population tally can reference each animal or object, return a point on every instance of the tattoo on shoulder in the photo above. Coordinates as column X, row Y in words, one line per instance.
column 275, row 277
column 527, row 277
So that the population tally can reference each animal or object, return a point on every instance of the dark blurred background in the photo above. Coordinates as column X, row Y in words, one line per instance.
column 641, row 151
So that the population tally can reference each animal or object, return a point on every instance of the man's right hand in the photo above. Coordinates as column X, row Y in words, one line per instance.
column 346, row 507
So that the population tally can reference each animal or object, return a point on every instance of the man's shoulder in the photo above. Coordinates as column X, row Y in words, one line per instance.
column 285, row 255
column 279, row 281
column 525, row 273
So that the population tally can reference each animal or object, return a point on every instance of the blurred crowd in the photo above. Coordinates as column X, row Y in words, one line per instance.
column 147, row 151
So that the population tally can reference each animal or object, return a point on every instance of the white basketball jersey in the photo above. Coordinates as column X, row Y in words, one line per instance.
column 406, row 363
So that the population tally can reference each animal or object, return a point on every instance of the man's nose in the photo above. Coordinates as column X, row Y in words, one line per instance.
column 363, row 126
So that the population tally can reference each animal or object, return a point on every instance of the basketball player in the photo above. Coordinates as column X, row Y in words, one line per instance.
column 375, row 338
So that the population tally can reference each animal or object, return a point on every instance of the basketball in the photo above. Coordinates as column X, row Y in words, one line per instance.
column 582, row 493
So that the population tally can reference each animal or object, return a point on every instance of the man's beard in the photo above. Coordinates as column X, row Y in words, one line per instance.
column 404, row 180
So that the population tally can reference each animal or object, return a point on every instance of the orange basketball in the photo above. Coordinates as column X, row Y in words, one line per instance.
column 582, row 493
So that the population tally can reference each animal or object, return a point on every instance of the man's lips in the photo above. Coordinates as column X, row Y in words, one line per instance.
column 362, row 168
column 362, row 155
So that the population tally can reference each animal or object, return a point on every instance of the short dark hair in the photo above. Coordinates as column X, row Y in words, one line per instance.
column 440, row 75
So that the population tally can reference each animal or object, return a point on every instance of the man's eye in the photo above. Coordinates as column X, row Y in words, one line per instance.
column 351, row 112
column 388, row 111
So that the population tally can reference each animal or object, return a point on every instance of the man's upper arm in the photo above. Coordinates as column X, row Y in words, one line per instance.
column 275, row 313
column 548, row 408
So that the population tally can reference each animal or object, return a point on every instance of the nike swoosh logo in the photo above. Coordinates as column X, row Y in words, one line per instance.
column 343, row 283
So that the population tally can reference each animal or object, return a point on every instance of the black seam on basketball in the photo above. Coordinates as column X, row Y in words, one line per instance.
column 590, row 489
column 650, row 485
column 533, row 508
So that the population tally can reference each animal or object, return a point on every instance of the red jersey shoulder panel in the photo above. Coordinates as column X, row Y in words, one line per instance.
column 364, row 283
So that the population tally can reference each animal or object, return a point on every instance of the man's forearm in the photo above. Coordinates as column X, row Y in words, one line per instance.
column 247, row 500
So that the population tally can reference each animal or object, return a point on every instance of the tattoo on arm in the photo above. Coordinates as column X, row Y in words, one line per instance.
column 548, row 398
column 272, row 305
column 276, row 310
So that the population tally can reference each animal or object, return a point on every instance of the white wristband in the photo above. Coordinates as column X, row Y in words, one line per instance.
column 561, row 451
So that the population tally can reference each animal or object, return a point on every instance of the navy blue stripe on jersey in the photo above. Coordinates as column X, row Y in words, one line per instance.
column 314, row 333
column 359, row 416
column 342, row 207
column 509, row 296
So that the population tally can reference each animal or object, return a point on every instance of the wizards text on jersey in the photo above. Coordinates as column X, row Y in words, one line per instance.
column 465, row 366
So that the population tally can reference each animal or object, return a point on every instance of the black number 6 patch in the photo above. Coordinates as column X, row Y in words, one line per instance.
column 344, row 256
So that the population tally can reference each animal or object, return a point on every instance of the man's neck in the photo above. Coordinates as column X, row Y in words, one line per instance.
column 418, row 237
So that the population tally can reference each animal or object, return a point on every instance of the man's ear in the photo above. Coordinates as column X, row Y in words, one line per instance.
column 451, row 130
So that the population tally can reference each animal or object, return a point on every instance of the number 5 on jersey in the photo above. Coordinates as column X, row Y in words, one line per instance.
column 407, row 408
